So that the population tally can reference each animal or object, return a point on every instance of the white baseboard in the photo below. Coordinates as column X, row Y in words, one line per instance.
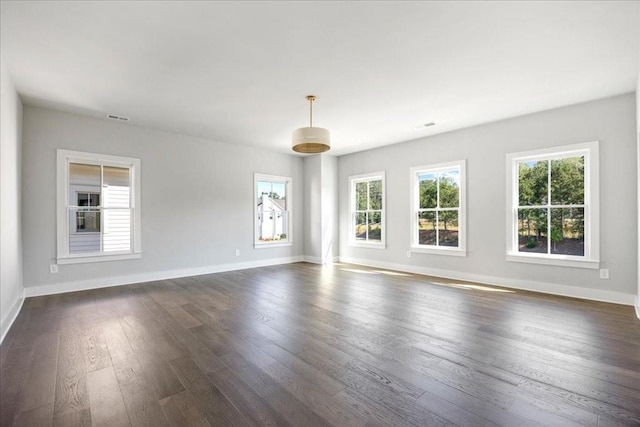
column 103, row 282
column 11, row 316
column 528, row 285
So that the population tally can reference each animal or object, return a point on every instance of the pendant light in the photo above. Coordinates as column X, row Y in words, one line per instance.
column 310, row 140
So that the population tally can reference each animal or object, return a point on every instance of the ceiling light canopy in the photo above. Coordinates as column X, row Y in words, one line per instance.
column 310, row 140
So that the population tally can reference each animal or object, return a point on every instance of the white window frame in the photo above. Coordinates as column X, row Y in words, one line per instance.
column 461, row 250
column 353, row 180
column 591, row 258
column 64, row 158
column 288, row 181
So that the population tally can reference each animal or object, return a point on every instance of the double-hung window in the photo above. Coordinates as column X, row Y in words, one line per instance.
column 98, row 207
column 438, row 220
column 367, row 210
column 553, row 206
column 272, row 210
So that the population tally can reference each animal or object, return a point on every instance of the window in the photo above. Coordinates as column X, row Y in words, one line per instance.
column 438, row 223
column 98, row 214
column 272, row 205
column 88, row 220
column 367, row 210
column 553, row 206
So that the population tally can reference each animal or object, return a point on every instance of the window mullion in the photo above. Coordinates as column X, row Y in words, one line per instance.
column 515, row 217
column 416, row 209
column 100, row 208
column 366, row 226
column 438, row 191
column 368, row 208
column 437, row 227
column 354, row 215
column 438, row 209
column 548, row 207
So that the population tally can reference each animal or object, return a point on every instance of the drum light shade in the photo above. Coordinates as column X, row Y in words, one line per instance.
column 310, row 140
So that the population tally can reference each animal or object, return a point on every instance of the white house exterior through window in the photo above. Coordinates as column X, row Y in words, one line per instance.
column 98, row 214
column 272, row 210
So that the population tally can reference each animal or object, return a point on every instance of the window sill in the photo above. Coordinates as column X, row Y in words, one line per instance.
column 561, row 261
column 83, row 259
column 267, row 245
column 368, row 245
column 443, row 250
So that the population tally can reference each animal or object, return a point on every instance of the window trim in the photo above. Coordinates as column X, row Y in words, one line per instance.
column 63, row 158
column 366, row 177
column 289, row 197
column 414, row 200
column 591, row 259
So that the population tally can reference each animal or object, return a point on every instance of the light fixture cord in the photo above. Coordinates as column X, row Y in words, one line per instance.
column 311, row 112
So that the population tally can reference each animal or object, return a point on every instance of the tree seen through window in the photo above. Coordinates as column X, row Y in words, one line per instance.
column 439, row 208
column 551, row 206
column 368, row 210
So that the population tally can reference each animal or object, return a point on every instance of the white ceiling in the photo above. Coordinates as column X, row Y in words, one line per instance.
column 239, row 72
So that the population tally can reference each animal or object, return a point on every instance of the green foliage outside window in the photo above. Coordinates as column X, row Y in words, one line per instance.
column 438, row 212
column 368, row 213
column 551, row 206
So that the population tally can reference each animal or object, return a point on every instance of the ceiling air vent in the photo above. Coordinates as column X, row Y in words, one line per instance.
column 117, row 118
column 424, row 125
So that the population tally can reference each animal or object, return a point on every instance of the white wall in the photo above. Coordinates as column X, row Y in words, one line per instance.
column 612, row 121
column 638, row 166
column 321, row 208
column 195, row 209
column 313, row 208
column 197, row 202
column 11, row 292
column 330, row 213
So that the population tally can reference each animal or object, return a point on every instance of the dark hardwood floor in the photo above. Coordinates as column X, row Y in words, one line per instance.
column 306, row 345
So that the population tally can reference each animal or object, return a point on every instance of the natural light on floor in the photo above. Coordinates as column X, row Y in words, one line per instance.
column 475, row 287
column 387, row 273
column 469, row 286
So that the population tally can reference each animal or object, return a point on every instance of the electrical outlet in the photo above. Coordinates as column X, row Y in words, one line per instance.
column 53, row 268
column 604, row 273
column 237, row 252
column 408, row 254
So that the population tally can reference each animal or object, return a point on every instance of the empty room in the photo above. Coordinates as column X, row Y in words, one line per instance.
column 319, row 213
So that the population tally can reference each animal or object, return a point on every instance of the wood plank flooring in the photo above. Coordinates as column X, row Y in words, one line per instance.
column 307, row 345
